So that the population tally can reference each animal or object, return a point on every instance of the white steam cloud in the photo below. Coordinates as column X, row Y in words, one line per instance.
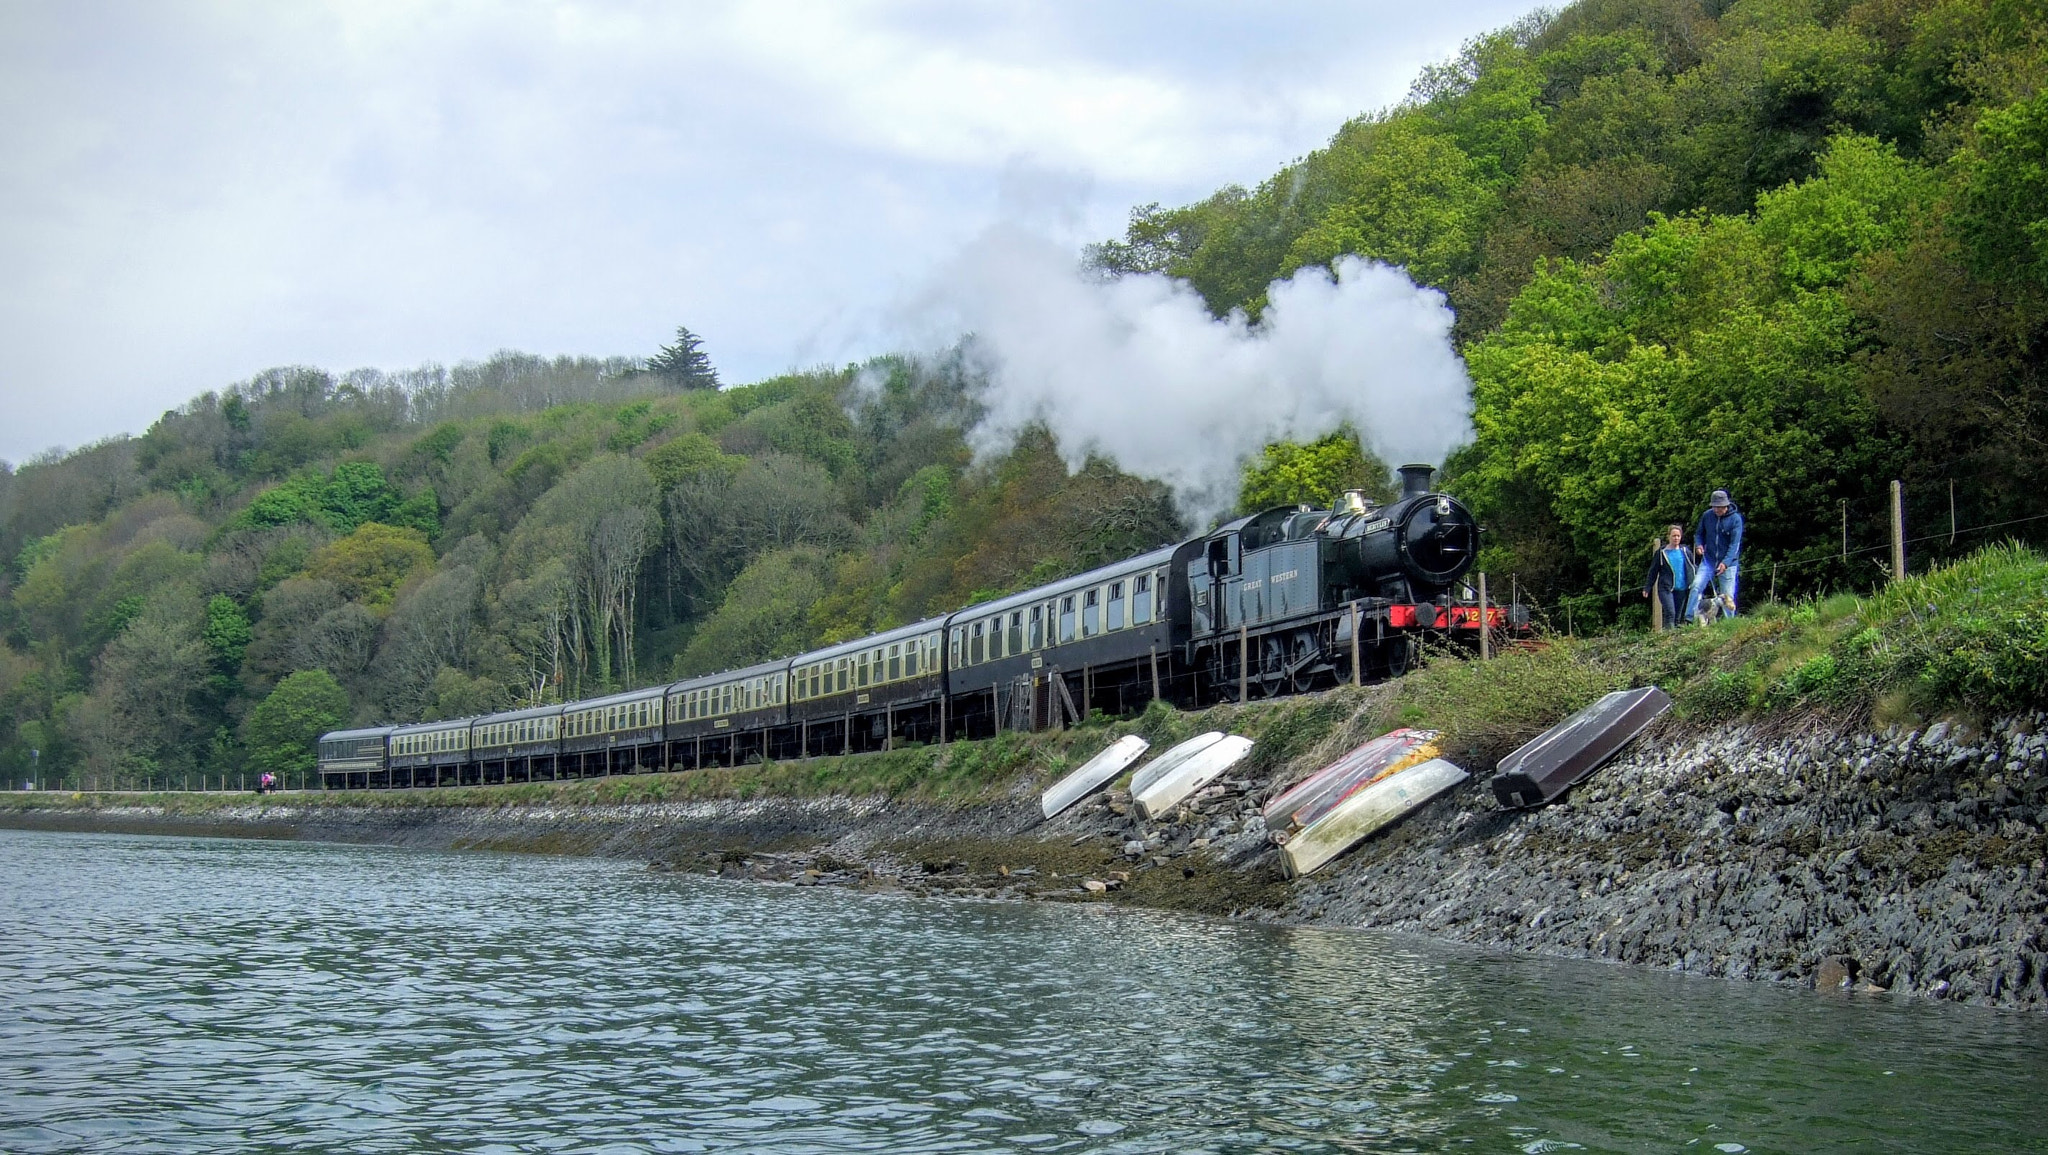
column 1136, row 369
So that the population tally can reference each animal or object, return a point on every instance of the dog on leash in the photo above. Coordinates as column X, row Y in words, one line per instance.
column 1718, row 605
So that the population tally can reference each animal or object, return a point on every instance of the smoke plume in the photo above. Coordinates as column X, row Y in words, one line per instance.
column 1136, row 369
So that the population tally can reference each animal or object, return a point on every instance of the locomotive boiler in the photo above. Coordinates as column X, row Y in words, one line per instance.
column 1281, row 600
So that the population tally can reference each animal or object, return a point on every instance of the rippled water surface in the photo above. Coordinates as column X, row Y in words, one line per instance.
column 174, row 994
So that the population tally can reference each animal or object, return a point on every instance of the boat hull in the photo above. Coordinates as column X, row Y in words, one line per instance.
column 1365, row 813
column 1316, row 795
column 1163, row 765
column 1565, row 754
column 1191, row 775
column 1093, row 774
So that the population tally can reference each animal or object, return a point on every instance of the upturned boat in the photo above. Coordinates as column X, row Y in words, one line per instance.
column 1093, row 774
column 1366, row 812
column 1191, row 775
column 1163, row 765
column 1315, row 795
column 1565, row 754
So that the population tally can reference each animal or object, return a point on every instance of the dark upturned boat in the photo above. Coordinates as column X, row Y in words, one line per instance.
column 1566, row 753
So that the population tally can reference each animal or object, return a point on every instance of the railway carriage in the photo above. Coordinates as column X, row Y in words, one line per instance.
column 1103, row 640
column 732, row 717
column 430, row 754
column 517, row 745
column 619, row 734
column 351, row 759
column 865, row 695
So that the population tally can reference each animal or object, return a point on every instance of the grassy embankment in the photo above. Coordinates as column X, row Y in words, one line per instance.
column 1966, row 641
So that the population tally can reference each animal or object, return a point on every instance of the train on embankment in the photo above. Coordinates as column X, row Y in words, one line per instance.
column 1283, row 601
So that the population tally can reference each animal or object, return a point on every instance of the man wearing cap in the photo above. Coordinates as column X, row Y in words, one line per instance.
column 1719, row 540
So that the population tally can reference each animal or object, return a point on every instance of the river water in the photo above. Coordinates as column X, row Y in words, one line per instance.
column 171, row 994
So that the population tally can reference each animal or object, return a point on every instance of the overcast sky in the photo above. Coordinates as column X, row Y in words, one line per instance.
column 192, row 192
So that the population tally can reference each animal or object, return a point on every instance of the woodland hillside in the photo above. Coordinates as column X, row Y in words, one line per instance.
column 1791, row 249
column 1794, row 248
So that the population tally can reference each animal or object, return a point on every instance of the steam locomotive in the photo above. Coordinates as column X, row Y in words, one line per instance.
column 1283, row 601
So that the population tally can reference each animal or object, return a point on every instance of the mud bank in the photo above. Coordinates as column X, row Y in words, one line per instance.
column 1909, row 861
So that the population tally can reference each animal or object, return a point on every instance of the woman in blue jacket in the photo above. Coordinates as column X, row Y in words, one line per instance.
column 1670, row 575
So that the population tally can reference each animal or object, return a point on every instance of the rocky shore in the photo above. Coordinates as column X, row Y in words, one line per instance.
column 1906, row 861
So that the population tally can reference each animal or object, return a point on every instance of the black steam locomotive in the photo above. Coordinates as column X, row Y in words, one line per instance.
column 1283, row 601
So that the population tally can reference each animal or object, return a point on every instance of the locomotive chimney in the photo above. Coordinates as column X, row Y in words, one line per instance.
column 1415, row 480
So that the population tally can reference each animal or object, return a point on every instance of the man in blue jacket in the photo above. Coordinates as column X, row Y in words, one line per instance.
column 1719, row 540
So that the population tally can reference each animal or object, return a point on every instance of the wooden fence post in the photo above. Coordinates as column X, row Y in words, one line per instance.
column 1356, row 677
column 1485, row 634
column 1898, row 530
column 1244, row 662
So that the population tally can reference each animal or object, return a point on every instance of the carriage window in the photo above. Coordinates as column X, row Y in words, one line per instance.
column 860, row 670
column 995, row 637
column 1091, row 613
column 1141, row 599
column 879, row 659
column 1017, row 631
column 912, row 650
column 1037, row 634
column 1116, row 605
column 1067, row 618
column 895, row 662
column 976, row 649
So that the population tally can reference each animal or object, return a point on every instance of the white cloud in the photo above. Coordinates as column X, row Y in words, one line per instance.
column 193, row 192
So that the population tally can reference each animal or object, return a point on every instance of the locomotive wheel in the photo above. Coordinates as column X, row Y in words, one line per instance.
column 1397, row 656
column 1303, row 660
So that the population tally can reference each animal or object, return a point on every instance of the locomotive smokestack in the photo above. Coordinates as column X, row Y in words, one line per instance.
column 1415, row 480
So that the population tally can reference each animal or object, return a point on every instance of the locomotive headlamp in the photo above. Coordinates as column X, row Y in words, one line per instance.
column 1443, row 507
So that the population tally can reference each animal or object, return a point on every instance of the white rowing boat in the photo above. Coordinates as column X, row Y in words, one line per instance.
column 1094, row 774
column 1369, row 810
column 1163, row 765
column 1191, row 775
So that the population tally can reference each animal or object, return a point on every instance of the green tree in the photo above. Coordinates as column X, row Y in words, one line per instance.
column 1411, row 197
column 227, row 632
column 283, row 728
column 683, row 364
column 766, row 614
column 2003, row 217
column 688, row 456
column 371, row 564
column 1316, row 473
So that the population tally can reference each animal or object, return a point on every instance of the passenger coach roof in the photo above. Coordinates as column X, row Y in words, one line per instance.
column 1097, row 576
column 520, row 715
column 914, row 629
column 444, row 724
column 638, row 695
column 723, row 676
column 369, row 732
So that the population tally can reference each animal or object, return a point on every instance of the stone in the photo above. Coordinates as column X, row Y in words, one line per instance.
column 1837, row 972
column 1094, row 886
